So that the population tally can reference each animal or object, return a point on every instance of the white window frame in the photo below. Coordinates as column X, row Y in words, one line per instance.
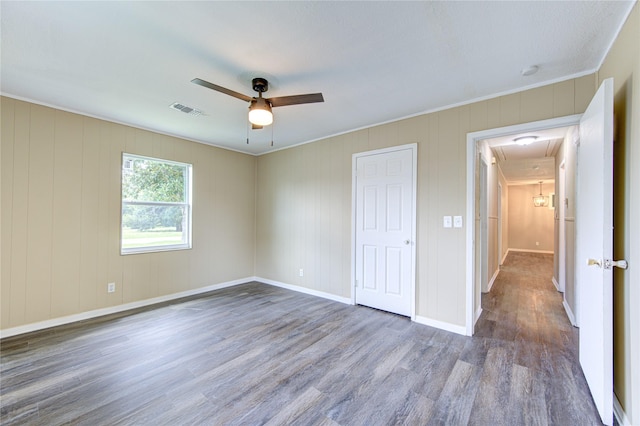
column 187, row 205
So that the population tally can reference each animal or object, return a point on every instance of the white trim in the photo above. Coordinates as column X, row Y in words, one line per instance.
column 133, row 305
column 128, row 124
column 347, row 301
column 304, row 290
column 446, row 326
column 530, row 251
column 506, row 253
column 478, row 313
column 492, row 280
column 555, row 284
column 37, row 326
column 567, row 309
column 472, row 138
column 618, row 411
column 414, row 202
column 443, row 108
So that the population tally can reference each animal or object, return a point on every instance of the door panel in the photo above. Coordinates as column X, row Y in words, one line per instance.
column 594, row 245
column 384, row 231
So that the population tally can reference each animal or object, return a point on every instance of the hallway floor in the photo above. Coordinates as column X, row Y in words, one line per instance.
column 534, row 347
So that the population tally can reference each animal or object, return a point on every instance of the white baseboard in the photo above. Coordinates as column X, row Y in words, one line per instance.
column 530, row 251
column 28, row 328
column 619, row 413
column 420, row 320
column 569, row 312
column 459, row 329
column 493, row 280
column 555, row 283
column 305, row 290
column 477, row 316
column 506, row 253
column 37, row 326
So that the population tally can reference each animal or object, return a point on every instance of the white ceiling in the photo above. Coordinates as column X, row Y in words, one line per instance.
column 373, row 61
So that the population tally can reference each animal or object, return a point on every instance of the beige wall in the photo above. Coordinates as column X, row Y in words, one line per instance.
column 623, row 64
column 61, row 216
column 304, row 196
column 530, row 228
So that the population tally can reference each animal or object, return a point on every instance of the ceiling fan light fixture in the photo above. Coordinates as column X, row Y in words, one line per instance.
column 260, row 112
column 525, row 140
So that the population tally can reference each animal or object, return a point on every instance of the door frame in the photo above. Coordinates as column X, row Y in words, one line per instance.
column 499, row 196
column 414, row 197
column 484, row 223
column 473, row 288
column 562, row 232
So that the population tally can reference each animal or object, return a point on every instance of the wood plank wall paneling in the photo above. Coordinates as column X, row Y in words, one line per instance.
column 90, row 216
column 299, row 186
column 6, row 211
column 303, row 199
column 61, row 216
column 67, row 204
column 39, row 215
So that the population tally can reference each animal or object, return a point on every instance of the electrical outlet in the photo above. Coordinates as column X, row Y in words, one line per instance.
column 111, row 288
column 301, row 272
column 537, row 243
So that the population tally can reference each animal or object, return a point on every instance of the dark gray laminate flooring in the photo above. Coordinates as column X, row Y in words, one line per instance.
column 255, row 354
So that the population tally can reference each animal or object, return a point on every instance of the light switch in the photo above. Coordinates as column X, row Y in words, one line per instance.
column 447, row 222
column 457, row 221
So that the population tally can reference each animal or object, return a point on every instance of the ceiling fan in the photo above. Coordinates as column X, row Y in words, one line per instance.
column 260, row 114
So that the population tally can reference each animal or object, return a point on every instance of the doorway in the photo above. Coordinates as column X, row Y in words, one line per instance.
column 474, row 247
column 384, row 229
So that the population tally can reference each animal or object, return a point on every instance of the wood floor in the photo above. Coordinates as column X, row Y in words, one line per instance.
column 256, row 354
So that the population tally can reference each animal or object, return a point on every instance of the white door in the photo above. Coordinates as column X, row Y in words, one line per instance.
column 384, row 231
column 594, row 246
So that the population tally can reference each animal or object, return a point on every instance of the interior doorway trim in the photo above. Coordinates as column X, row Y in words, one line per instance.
column 472, row 293
column 414, row 197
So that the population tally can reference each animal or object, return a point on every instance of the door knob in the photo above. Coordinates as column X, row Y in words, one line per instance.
column 622, row 264
column 407, row 242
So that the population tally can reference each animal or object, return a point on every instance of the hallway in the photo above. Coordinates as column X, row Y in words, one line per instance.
column 533, row 349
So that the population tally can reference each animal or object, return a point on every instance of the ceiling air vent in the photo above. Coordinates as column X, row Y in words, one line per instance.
column 186, row 109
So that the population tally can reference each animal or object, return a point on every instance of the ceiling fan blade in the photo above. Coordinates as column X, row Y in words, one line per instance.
column 221, row 89
column 296, row 99
column 256, row 127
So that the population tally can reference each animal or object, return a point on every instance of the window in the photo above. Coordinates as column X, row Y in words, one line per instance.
column 156, row 205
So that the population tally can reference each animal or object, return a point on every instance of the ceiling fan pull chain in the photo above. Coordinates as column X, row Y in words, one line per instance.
column 272, row 126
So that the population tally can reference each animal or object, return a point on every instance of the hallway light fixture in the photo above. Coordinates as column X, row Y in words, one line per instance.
column 525, row 140
column 540, row 200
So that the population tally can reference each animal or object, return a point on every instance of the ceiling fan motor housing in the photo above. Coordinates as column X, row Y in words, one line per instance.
column 260, row 85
